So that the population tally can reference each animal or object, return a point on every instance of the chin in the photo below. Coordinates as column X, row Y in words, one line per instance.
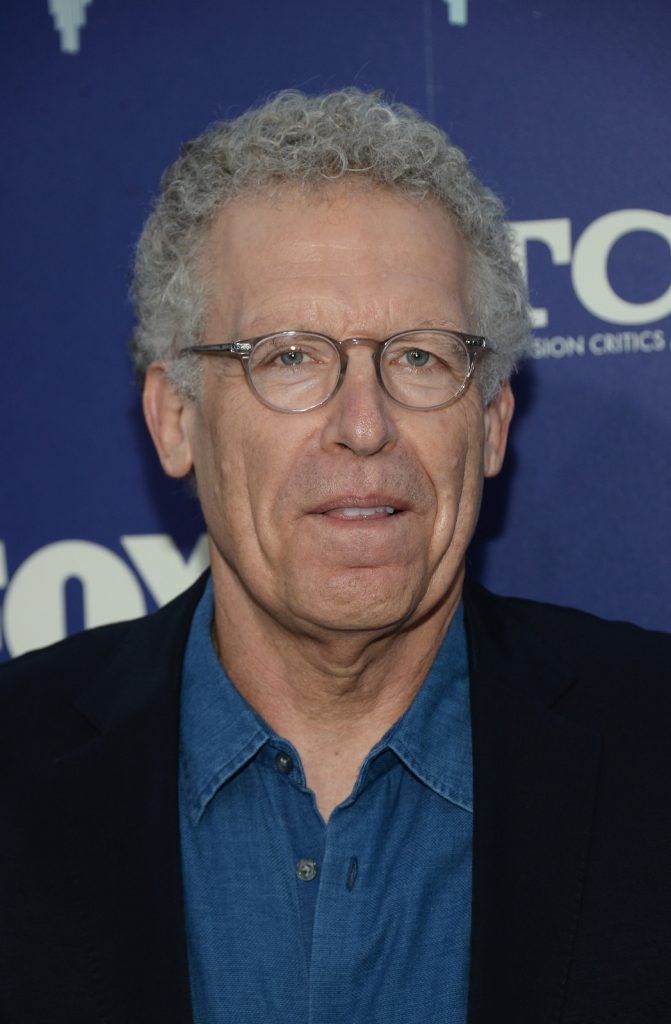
column 353, row 620
column 361, row 599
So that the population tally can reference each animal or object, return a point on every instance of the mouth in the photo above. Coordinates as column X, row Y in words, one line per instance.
column 361, row 509
column 364, row 512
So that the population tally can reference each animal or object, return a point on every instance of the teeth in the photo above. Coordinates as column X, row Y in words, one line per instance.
column 354, row 513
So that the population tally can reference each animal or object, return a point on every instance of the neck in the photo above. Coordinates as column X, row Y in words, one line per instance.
column 332, row 694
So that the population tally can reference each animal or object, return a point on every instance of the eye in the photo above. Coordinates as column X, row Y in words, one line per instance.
column 293, row 357
column 417, row 356
column 275, row 357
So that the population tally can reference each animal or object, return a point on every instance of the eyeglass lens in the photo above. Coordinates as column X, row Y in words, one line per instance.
column 419, row 368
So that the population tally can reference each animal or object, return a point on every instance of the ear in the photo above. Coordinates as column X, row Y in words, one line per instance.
column 166, row 412
column 498, row 415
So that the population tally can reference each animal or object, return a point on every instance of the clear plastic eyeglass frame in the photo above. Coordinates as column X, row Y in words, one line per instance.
column 243, row 349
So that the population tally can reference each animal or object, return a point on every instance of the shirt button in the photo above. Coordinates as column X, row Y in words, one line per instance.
column 283, row 763
column 306, row 869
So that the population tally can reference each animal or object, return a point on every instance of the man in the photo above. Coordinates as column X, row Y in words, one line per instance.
column 335, row 781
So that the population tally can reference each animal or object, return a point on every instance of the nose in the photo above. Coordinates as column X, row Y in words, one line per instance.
column 359, row 414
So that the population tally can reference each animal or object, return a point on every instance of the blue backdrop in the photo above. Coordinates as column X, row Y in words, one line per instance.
column 563, row 108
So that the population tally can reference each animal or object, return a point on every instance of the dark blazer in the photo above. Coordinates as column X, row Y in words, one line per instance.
column 571, row 918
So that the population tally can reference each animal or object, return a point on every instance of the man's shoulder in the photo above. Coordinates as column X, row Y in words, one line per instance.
column 125, row 658
column 576, row 620
column 66, row 659
column 577, row 626
column 606, row 666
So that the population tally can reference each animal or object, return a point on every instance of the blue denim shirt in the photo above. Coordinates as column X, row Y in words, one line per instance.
column 363, row 920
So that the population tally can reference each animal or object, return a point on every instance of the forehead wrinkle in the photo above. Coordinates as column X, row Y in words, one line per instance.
column 342, row 315
column 313, row 257
column 336, row 291
column 346, row 275
column 314, row 248
column 334, row 301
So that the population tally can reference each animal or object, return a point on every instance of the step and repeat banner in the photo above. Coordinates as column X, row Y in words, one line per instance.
column 563, row 108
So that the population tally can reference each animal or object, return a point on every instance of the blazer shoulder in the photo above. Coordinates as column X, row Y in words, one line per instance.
column 116, row 667
column 615, row 665
column 577, row 631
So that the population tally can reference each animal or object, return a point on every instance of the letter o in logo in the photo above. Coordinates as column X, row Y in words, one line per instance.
column 589, row 267
column 34, row 607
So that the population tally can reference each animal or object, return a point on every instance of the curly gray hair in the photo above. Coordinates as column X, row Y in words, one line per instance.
column 310, row 141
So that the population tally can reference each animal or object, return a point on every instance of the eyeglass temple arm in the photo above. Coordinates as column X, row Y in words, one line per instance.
column 478, row 341
column 238, row 348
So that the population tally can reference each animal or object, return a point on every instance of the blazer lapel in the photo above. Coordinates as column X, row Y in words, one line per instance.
column 534, row 788
column 113, row 833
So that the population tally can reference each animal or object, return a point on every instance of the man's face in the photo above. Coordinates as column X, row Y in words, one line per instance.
column 349, row 261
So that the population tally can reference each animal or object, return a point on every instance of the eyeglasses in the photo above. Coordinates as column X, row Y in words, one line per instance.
column 296, row 371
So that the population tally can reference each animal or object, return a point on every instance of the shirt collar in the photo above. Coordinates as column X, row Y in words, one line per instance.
column 433, row 738
column 219, row 732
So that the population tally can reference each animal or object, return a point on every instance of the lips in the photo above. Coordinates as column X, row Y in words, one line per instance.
column 361, row 506
column 356, row 512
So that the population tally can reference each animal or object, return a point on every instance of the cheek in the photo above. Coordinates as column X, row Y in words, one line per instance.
column 219, row 463
column 244, row 458
column 457, row 475
column 261, row 472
